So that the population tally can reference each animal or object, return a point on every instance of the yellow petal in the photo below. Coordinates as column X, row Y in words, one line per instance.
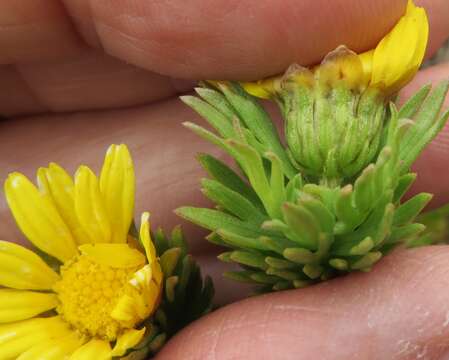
column 21, row 268
column 145, row 237
column 90, row 208
column 59, row 186
column 367, row 65
column 341, row 66
column 38, row 218
column 129, row 309
column 127, row 340
column 93, row 350
column 16, row 338
column 18, row 305
column 113, row 255
column 400, row 53
column 150, row 250
column 258, row 89
column 55, row 349
column 117, row 185
column 148, row 289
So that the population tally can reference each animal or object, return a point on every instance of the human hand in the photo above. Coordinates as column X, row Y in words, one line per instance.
column 376, row 315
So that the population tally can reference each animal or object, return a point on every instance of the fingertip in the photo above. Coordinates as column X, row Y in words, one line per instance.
column 238, row 40
column 384, row 314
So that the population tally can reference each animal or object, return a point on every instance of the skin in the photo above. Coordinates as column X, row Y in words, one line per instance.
column 78, row 75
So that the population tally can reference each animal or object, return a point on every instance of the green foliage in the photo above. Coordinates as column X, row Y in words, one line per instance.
column 287, row 228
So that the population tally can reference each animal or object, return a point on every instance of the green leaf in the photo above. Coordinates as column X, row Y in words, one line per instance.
column 258, row 121
column 226, row 176
column 409, row 109
column 249, row 258
column 169, row 260
column 177, row 239
column 252, row 164
column 323, row 216
column 366, row 261
column 411, row 208
column 353, row 247
column 170, row 286
column 232, row 202
column 426, row 127
column 283, row 274
column 243, row 242
column 299, row 255
column 304, row 226
column 402, row 233
column 278, row 263
column 214, row 220
column 218, row 101
column 218, row 121
column 277, row 180
column 404, row 183
column 348, row 216
column 293, row 187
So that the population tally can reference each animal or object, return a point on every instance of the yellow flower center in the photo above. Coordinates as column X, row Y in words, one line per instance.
column 88, row 293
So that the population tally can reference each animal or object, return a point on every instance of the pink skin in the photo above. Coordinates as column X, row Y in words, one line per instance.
column 72, row 57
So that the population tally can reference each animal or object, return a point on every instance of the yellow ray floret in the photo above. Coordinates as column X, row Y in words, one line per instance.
column 388, row 67
column 105, row 287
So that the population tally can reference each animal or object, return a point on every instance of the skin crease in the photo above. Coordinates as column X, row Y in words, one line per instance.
column 97, row 67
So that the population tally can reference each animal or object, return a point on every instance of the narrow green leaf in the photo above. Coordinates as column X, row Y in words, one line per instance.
column 366, row 261
column 348, row 216
column 214, row 220
column 217, row 100
column 239, row 241
column 409, row 109
column 299, row 255
column 283, row 274
column 404, row 183
column 177, row 239
column 313, row 271
column 232, row 202
column 304, row 226
column 249, row 259
column 353, row 247
column 426, row 127
column 215, row 118
column 229, row 178
column 339, row 264
column 170, row 287
column 169, row 260
column 319, row 211
column 407, row 212
column 293, row 187
column 160, row 241
column 252, row 164
column 364, row 189
column 263, row 278
column 278, row 263
column 277, row 180
column 403, row 233
column 258, row 121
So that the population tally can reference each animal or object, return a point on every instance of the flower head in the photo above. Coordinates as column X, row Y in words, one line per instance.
column 105, row 285
column 388, row 67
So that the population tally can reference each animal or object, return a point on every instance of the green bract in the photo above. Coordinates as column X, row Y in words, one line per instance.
column 326, row 203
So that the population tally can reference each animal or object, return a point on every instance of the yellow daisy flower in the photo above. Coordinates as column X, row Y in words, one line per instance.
column 93, row 307
column 388, row 67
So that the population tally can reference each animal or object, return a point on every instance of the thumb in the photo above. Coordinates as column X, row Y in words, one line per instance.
column 398, row 311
